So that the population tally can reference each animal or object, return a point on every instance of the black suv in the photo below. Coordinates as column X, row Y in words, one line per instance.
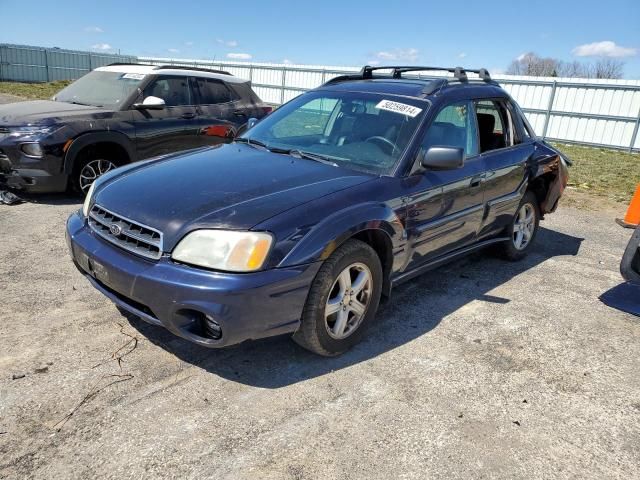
column 301, row 224
column 115, row 115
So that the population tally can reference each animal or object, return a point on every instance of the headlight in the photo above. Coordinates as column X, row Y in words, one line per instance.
column 224, row 250
column 87, row 200
column 32, row 131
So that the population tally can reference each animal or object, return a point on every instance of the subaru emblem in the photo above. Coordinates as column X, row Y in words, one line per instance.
column 115, row 229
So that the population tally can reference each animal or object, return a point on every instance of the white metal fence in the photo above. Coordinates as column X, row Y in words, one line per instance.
column 603, row 113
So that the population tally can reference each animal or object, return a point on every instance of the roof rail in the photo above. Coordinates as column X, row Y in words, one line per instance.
column 172, row 67
column 396, row 71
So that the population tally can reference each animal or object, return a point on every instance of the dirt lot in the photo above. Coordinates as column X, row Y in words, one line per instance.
column 481, row 369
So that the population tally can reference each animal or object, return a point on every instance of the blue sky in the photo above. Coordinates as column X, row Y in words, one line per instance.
column 472, row 34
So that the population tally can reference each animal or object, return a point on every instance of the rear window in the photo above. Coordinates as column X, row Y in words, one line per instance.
column 213, row 91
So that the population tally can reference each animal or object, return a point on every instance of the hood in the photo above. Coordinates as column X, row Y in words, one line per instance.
column 44, row 112
column 233, row 186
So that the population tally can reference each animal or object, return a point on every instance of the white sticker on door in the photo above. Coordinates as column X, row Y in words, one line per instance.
column 398, row 107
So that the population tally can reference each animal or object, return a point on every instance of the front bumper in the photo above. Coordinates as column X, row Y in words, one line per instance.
column 246, row 306
column 29, row 174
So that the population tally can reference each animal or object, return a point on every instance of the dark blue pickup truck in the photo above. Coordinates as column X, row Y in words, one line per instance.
column 308, row 218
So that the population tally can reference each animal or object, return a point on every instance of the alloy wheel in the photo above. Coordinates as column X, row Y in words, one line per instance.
column 93, row 170
column 524, row 226
column 348, row 300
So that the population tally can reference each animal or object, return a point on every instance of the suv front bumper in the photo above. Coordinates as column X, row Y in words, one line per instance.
column 178, row 297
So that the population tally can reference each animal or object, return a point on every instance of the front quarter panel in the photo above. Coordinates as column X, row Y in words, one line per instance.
column 312, row 231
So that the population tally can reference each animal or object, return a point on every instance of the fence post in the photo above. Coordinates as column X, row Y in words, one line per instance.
column 251, row 74
column 549, row 108
column 634, row 135
column 46, row 63
column 284, row 82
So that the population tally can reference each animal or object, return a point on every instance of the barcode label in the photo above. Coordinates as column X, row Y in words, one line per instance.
column 397, row 107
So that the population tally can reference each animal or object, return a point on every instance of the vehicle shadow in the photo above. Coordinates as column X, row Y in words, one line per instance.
column 415, row 308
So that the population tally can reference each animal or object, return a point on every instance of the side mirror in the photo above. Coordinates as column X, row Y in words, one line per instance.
column 150, row 103
column 251, row 122
column 442, row 158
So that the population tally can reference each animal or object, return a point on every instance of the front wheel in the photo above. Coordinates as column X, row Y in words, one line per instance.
column 342, row 301
column 523, row 228
column 88, row 170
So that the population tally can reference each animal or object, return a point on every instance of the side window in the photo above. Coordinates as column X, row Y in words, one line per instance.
column 173, row 90
column 494, row 125
column 454, row 126
column 213, row 91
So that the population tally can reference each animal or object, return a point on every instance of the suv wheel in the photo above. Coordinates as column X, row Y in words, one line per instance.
column 88, row 170
column 342, row 300
column 523, row 228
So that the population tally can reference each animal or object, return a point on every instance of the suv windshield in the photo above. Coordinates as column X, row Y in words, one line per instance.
column 101, row 89
column 364, row 131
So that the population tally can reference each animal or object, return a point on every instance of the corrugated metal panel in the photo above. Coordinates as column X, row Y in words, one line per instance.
column 597, row 112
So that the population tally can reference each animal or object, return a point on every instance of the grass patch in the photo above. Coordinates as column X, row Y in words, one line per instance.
column 33, row 91
column 609, row 173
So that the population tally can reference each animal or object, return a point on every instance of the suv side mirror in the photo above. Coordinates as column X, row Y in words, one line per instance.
column 150, row 103
column 251, row 122
column 442, row 158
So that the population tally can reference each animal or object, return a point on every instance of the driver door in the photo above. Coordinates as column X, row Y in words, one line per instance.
column 445, row 208
column 173, row 128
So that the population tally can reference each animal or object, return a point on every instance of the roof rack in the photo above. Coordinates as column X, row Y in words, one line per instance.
column 172, row 67
column 436, row 84
column 396, row 71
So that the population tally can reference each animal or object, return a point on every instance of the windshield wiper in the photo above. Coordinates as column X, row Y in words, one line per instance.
column 310, row 156
column 249, row 141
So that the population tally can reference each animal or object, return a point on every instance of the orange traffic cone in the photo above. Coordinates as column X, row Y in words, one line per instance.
column 632, row 218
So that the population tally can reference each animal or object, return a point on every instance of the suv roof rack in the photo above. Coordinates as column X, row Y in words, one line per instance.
column 459, row 73
column 173, row 67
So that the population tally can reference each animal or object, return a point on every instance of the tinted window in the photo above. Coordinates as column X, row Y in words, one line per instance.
column 493, row 125
column 173, row 90
column 213, row 91
column 453, row 127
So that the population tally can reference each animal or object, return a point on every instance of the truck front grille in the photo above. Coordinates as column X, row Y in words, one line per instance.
column 127, row 234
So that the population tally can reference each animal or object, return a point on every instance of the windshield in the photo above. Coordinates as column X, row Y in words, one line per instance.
column 101, row 89
column 364, row 131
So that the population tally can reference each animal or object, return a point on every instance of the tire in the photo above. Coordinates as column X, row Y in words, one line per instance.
column 87, row 169
column 322, row 334
column 518, row 245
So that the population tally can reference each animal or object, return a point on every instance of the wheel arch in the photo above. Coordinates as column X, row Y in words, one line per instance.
column 115, row 140
column 377, row 225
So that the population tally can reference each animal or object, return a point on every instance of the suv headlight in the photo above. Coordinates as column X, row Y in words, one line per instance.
column 32, row 131
column 87, row 200
column 228, row 250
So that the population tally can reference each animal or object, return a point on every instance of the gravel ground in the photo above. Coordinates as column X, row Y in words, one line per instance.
column 481, row 369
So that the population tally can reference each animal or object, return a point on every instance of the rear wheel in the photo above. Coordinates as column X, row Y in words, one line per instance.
column 342, row 301
column 523, row 228
column 88, row 170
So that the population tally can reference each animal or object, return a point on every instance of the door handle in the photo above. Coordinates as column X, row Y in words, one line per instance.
column 188, row 115
column 239, row 113
column 475, row 182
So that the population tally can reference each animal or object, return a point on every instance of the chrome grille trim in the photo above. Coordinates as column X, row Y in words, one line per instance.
column 134, row 237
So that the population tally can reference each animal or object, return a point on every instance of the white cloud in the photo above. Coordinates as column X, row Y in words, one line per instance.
column 403, row 54
column 189, row 44
column 373, row 63
column 606, row 48
column 286, row 61
column 102, row 46
column 521, row 57
column 239, row 56
column 173, row 50
column 227, row 43
column 462, row 55
column 93, row 30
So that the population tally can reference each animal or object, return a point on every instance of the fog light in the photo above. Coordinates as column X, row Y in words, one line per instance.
column 212, row 328
column 32, row 149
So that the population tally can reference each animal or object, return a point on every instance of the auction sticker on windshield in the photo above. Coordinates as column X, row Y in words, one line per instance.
column 398, row 107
